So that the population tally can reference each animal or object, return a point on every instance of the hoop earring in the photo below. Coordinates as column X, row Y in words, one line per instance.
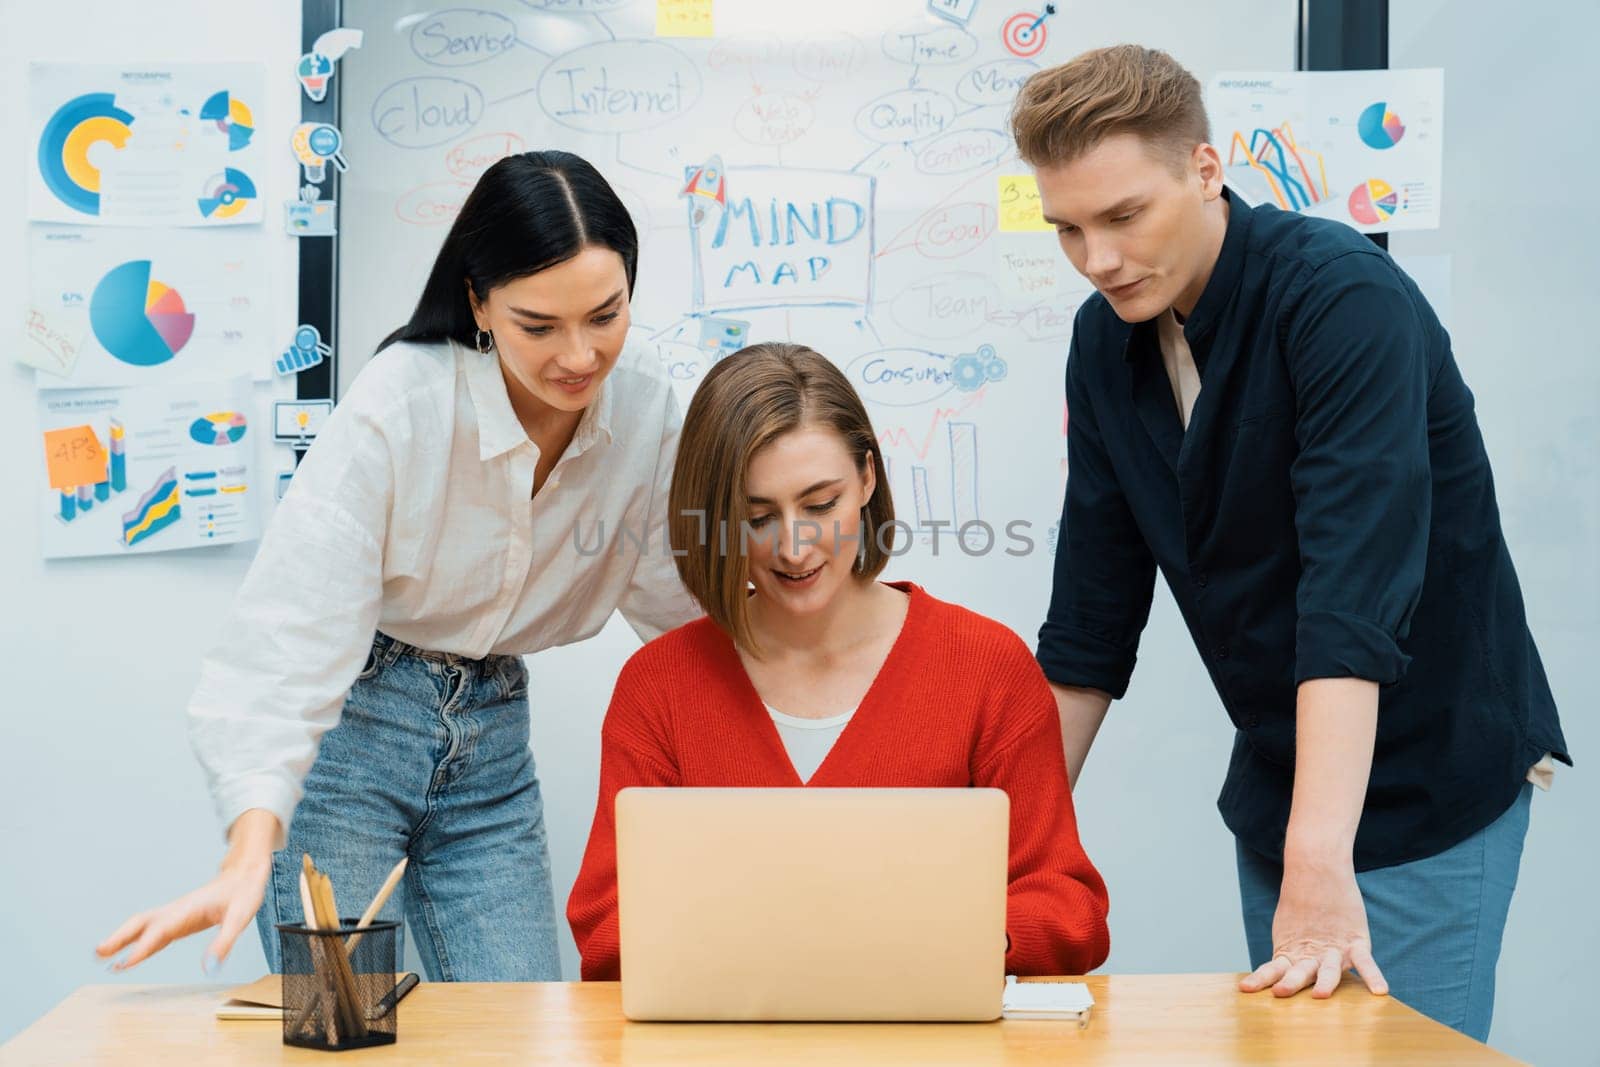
column 483, row 348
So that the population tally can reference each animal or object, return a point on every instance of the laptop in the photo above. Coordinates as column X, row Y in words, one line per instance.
column 872, row 905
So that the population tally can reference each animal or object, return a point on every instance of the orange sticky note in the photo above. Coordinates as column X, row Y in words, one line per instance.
column 74, row 457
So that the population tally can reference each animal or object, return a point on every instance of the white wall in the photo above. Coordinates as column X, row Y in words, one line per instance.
column 102, row 808
column 1519, row 144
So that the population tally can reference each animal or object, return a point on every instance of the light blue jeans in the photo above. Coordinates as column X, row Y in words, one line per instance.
column 1436, row 923
column 430, row 760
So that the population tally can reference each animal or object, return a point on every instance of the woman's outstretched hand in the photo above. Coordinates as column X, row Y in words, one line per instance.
column 229, row 901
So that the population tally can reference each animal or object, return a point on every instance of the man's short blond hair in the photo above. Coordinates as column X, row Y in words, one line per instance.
column 1065, row 111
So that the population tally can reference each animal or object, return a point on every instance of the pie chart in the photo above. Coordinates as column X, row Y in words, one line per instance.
column 1379, row 127
column 1373, row 201
column 138, row 319
column 218, row 428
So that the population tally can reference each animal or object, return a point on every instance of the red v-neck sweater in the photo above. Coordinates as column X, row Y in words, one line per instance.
column 958, row 702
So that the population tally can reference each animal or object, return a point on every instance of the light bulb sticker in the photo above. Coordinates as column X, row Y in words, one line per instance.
column 313, row 164
column 297, row 422
column 315, row 145
column 315, row 69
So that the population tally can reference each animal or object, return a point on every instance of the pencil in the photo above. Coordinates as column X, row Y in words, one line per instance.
column 377, row 904
column 305, row 902
column 319, row 962
column 311, row 1002
column 347, row 999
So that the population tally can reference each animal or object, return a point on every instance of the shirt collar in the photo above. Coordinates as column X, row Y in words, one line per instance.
column 499, row 429
column 1227, row 270
column 596, row 417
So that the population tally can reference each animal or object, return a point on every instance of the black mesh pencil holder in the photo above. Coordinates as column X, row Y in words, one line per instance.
column 339, row 988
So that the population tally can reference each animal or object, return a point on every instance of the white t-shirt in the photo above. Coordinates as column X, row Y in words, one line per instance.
column 1178, row 360
column 808, row 741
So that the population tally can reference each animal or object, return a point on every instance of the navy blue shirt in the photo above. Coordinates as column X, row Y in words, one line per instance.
column 1328, row 513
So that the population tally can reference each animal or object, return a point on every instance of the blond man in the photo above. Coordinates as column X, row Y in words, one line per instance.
column 1263, row 406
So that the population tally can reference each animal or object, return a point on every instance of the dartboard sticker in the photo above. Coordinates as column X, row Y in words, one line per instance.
column 1023, row 34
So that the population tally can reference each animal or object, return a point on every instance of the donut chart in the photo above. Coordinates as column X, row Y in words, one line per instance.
column 64, row 145
column 227, row 194
column 218, row 428
column 231, row 117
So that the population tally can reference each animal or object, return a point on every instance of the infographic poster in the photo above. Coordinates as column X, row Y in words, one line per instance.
column 1364, row 147
column 169, row 145
column 154, row 469
column 150, row 309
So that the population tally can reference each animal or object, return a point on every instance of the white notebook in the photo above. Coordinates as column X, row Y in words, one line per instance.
column 1046, row 1000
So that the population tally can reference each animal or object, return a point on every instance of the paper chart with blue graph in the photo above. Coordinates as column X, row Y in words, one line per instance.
column 153, row 469
column 151, row 308
column 854, row 191
column 168, row 145
column 1363, row 147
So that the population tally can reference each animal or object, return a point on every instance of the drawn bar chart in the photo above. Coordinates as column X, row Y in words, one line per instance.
column 963, row 438
column 78, row 500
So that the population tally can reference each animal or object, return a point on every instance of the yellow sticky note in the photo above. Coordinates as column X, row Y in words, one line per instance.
column 1018, row 198
column 683, row 18
column 74, row 457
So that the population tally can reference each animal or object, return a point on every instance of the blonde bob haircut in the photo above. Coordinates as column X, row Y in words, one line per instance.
column 746, row 402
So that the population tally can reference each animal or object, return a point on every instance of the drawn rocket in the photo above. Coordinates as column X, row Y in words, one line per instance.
column 707, row 183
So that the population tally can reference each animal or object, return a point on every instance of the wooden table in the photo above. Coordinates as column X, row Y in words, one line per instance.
column 1189, row 1019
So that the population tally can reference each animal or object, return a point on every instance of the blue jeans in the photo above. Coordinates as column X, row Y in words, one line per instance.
column 430, row 760
column 1436, row 923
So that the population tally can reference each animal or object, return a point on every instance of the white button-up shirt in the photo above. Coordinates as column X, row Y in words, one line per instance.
column 412, row 515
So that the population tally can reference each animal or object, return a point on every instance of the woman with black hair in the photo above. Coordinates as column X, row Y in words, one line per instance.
column 368, row 700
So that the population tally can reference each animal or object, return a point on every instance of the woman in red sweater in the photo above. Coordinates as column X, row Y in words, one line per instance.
column 807, row 671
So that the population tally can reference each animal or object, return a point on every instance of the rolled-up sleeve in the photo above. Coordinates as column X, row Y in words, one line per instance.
column 1357, row 359
column 302, row 623
column 1104, row 570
